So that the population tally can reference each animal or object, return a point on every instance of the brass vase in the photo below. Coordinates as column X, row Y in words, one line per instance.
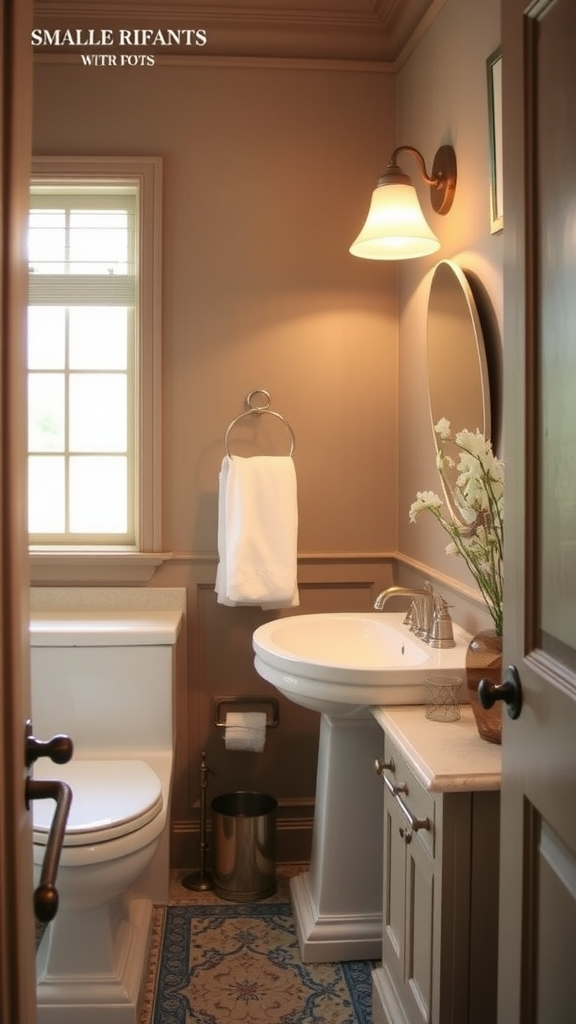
column 484, row 661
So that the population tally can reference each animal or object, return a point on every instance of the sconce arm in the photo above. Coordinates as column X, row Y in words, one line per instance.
column 442, row 181
column 420, row 160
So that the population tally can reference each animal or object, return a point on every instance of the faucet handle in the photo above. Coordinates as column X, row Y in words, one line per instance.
column 411, row 618
column 442, row 631
column 422, row 613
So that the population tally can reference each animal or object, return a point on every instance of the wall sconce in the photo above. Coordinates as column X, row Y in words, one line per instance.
column 395, row 227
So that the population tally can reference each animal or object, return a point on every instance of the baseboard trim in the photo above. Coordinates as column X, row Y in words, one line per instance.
column 293, row 842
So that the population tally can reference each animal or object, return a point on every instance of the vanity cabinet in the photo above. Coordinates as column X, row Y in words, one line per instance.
column 440, row 892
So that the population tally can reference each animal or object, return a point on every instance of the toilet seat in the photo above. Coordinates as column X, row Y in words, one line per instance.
column 109, row 799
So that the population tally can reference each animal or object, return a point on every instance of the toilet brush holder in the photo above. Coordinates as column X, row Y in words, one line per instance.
column 201, row 880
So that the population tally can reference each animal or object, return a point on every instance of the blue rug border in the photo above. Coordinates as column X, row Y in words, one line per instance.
column 173, row 964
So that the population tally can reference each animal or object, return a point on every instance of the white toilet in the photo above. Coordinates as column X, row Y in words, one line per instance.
column 107, row 681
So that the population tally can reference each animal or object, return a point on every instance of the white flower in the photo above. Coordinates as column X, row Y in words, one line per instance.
column 424, row 500
column 478, row 496
column 475, row 443
column 442, row 428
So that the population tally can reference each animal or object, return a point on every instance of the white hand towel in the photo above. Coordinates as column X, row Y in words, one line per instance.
column 257, row 532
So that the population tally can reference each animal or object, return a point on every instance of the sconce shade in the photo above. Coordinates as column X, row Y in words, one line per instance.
column 395, row 227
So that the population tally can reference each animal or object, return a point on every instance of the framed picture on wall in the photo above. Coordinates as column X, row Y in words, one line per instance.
column 494, row 71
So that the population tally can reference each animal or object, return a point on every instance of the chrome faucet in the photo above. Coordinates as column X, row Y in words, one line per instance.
column 427, row 617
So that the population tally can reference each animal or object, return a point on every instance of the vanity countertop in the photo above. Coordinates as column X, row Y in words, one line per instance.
column 444, row 756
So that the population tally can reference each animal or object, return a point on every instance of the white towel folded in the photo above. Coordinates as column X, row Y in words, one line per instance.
column 257, row 532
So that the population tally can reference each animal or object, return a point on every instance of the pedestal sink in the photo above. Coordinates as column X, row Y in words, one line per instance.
column 341, row 664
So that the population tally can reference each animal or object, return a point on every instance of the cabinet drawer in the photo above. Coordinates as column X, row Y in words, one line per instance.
column 410, row 795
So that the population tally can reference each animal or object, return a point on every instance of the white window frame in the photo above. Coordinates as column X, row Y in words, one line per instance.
column 101, row 563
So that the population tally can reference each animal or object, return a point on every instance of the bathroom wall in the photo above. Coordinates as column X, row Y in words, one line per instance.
column 268, row 171
column 442, row 98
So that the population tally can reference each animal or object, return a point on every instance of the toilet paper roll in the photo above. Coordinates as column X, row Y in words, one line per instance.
column 245, row 730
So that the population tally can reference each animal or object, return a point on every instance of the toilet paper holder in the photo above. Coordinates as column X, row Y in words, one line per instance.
column 246, row 703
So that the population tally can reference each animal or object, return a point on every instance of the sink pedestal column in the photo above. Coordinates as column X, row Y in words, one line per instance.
column 337, row 904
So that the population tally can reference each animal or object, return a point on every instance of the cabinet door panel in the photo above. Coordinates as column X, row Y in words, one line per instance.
column 419, row 933
column 394, row 886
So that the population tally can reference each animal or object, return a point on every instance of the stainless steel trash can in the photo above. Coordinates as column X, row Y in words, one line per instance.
column 244, row 846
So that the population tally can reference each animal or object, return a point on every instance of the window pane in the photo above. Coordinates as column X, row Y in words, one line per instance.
column 46, row 494
column 98, row 412
column 46, row 412
column 98, row 337
column 46, row 337
column 92, row 349
column 47, row 241
column 98, row 242
column 41, row 219
column 98, row 494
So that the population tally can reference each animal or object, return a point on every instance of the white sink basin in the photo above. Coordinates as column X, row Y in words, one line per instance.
column 340, row 662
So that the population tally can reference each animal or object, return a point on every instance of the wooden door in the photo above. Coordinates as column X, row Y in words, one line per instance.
column 17, row 974
column 538, row 852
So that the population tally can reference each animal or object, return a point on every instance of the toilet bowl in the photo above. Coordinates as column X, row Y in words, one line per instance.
column 114, row 828
column 116, row 815
column 115, row 701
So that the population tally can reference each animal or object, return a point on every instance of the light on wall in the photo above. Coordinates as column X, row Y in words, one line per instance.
column 395, row 227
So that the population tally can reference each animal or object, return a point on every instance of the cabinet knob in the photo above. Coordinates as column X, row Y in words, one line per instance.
column 405, row 833
column 382, row 766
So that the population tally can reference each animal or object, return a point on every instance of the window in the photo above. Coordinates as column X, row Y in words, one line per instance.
column 93, row 355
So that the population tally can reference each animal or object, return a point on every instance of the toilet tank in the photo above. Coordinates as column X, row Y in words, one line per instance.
column 106, row 679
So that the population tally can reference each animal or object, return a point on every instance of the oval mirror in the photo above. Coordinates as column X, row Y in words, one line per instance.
column 458, row 387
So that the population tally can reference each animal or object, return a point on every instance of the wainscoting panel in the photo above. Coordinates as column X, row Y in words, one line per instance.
column 220, row 664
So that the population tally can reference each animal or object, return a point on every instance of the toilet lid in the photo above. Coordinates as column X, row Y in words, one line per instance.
column 109, row 799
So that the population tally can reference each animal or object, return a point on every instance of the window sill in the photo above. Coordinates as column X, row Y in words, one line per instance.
column 103, row 568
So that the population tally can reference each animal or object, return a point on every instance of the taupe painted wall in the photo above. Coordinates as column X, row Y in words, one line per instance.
column 268, row 172
column 442, row 98
column 267, row 178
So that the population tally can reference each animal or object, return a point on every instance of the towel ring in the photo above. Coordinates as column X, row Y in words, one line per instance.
column 259, row 409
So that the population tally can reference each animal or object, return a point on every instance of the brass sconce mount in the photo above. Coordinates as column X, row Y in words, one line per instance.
column 442, row 181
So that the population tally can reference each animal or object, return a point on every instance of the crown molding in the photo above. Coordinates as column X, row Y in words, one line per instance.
column 349, row 30
column 418, row 32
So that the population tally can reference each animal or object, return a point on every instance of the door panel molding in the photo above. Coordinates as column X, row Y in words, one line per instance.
column 17, row 978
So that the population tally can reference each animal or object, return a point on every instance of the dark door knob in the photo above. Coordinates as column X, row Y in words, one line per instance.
column 59, row 749
column 510, row 691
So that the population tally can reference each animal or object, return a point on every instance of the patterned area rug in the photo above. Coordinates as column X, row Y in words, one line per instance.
column 240, row 964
